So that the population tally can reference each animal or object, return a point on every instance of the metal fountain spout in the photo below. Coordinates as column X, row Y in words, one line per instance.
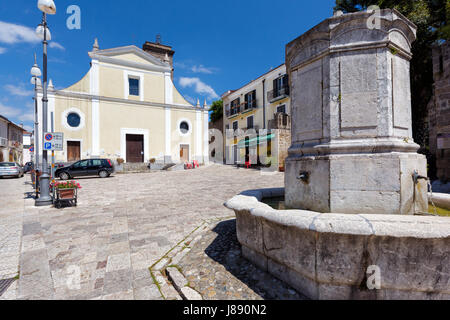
column 417, row 177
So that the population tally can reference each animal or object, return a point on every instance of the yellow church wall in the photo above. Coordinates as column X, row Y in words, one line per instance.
column 117, row 116
column 81, row 86
column 62, row 106
column 178, row 139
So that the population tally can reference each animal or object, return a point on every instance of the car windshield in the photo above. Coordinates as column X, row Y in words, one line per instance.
column 7, row 164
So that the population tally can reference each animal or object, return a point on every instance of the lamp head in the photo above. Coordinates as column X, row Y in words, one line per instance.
column 40, row 33
column 36, row 81
column 35, row 71
column 47, row 6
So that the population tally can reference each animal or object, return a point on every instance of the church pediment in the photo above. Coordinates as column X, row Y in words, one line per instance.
column 130, row 56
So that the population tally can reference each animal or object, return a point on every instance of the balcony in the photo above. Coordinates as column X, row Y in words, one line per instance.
column 242, row 108
column 279, row 94
column 248, row 106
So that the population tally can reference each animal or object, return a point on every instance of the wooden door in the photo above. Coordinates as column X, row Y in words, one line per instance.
column 73, row 151
column 184, row 153
column 135, row 148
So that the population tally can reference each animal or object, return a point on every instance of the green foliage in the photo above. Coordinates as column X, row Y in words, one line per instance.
column 431, row 18
column 217, row 110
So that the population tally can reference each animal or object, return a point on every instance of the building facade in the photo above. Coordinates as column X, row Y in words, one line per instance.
column 11, row 141
column 27, row 144
column 262, row 105
column 127, row 107
column 439, row 112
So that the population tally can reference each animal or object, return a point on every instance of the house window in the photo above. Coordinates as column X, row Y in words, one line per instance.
column 73, row 120
column 281, row 86
column 236, row 106
column 281, row 109
column 235, row 126
column 250, row 122
column 134, row 86
column 250, row 100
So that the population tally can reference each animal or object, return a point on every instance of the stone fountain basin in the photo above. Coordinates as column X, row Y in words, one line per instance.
column 327, row 256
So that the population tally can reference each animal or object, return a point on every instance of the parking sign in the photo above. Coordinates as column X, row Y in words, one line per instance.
column 54, row 141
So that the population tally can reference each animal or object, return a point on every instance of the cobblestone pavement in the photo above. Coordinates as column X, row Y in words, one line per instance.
column 103, row 248
column 217, row 270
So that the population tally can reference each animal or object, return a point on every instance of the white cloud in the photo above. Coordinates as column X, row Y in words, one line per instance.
column 2, row 50
column 13, row 33
column 202, row 69
column 199, row 87
column 27, row 117
column 18, row 90
column 56, row 45
column 190, row 99
column 189, row 66
column 8, row 112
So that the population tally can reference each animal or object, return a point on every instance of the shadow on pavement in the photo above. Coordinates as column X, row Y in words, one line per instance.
column 226, row 250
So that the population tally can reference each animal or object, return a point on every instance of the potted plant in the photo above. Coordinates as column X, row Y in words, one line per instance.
column 66, row 191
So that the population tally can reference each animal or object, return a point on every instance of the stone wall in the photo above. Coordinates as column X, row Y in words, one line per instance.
column 327, row 256
column 282, row 123
column 439, row 112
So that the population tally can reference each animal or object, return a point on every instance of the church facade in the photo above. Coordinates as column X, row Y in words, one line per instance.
column 127, row 107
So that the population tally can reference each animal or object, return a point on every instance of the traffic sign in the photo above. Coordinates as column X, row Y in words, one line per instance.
column 56, row 141
column 48, row 137
column 31, row 149
column 48, row 146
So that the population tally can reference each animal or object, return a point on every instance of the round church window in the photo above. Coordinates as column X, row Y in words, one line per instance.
column 74, row 120
column 184, row 127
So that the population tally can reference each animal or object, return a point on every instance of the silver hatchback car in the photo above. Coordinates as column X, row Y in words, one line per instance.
column 11, row 169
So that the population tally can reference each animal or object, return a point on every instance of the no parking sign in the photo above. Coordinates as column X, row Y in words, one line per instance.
column 53, row 141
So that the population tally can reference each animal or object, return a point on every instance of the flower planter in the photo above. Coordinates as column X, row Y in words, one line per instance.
column 66, row 194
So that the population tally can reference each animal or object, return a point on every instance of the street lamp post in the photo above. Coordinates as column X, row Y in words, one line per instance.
column 47, row 7
column 36, row 73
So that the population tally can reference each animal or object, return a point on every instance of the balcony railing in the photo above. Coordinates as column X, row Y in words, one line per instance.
column 243, row 107
column 278, row 94
column 247, row 106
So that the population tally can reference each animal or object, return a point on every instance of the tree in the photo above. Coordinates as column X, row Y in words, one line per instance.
column 217, row 110
column 431, row 18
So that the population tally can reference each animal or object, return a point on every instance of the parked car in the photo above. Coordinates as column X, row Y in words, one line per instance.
column 92, row 167
column 28, row 167
column 11, row 169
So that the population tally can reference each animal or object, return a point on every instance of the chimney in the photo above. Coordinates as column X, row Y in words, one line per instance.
column 160, row 51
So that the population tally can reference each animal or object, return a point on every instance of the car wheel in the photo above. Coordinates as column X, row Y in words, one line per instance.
column 103, row 174
column 64, row 176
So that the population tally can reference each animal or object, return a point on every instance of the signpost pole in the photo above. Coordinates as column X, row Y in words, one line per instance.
column 53, row 151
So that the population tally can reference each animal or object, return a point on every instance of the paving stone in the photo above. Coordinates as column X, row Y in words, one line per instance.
column 216, row 269
column 93, row 235
column 118, row 262
column 118, row 281
column 148, row 293
column 191, row 294
column 177, row 279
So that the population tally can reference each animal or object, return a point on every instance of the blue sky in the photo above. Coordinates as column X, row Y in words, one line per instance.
column 220, row 45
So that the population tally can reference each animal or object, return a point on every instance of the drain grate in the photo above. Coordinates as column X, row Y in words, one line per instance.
column 4, row 285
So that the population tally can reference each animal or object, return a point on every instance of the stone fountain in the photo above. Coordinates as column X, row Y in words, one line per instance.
column 353, row 176
column 352, row 147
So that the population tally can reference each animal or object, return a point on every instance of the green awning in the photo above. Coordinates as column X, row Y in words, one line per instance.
column 254, row 141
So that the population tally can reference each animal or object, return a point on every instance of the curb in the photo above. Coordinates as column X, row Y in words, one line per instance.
column 168, row 278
